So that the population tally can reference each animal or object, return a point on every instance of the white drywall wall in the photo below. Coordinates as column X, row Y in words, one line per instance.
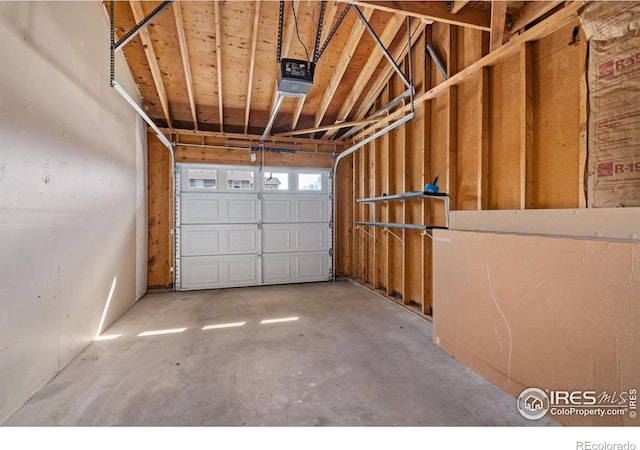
column 72, row 191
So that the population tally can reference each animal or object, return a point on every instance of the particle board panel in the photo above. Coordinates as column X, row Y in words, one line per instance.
column 504, row 159
column 556, row 170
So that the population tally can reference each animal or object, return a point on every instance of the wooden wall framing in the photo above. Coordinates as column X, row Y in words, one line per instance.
column 508, row 134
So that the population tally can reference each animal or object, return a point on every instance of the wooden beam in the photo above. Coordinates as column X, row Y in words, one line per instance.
column 376, row 148
column 329, row 15
column 584, row 122
column 452, row 119
column 216, row 10
column 526, row 126
column 252, row 64
column 240, row 139
column 457, row 5
column 147, row 44
column 341, row 66
column 336, row 126
column 498, row 23
column 531, row 11
column 484, row 123
column 379, row 84
column 390, row 31
column 404, row 135
column 436, row 11
column 184, row 52
column 548, row 26
column 355, row 214
column 426, row 285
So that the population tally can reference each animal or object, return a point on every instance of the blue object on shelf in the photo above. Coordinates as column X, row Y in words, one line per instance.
column 431, row 188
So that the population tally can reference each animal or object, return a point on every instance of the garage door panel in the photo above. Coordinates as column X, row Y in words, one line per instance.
column 210, row 272
column 276, row 210
column 295, row 208
column 218, row 208
column 314, row 209
column 202, row 240
column 199, row 240
column 295, row 268
column 234, row 230
column 199, row 209
column 304, row 237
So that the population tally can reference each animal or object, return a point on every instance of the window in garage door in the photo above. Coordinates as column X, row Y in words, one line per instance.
column 238, row 226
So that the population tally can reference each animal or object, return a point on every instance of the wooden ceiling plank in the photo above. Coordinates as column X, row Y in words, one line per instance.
column 531, row 11
column 341, row 66
column 383, row 79
column 329, row 15
column 252, row 64
column 147, row 44
column 436, row 11
column 457, row 5
column 391, row 29
column 216, row 12
column 177, row 13
column 498, row 23
column 286, row 45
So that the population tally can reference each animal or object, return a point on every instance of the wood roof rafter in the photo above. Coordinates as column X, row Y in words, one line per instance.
column 457, row 5
column 436, row 11
column 498, row 23
column 177, row 13
column 147, row 44
column 216, row 12
column 380, row 82
column 531, row 11
column 252, row 64
column 345, row 58
column 391, row 29
column 329, row 15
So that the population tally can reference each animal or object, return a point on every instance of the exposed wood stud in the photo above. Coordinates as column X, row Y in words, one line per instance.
column 252, row 64
column 452, row 118
column 377, row 191
column 356, row 263
column 138, row 15
column 526, row 126
column 498, row 23
column 426, row 284
column 584, row 121
column 484, row 123
column 182, row 41
column 216, row 9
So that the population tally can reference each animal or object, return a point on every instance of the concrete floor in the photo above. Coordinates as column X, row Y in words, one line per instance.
column 351, row 358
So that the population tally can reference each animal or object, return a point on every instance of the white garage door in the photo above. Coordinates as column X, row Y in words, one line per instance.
column 239, row 226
